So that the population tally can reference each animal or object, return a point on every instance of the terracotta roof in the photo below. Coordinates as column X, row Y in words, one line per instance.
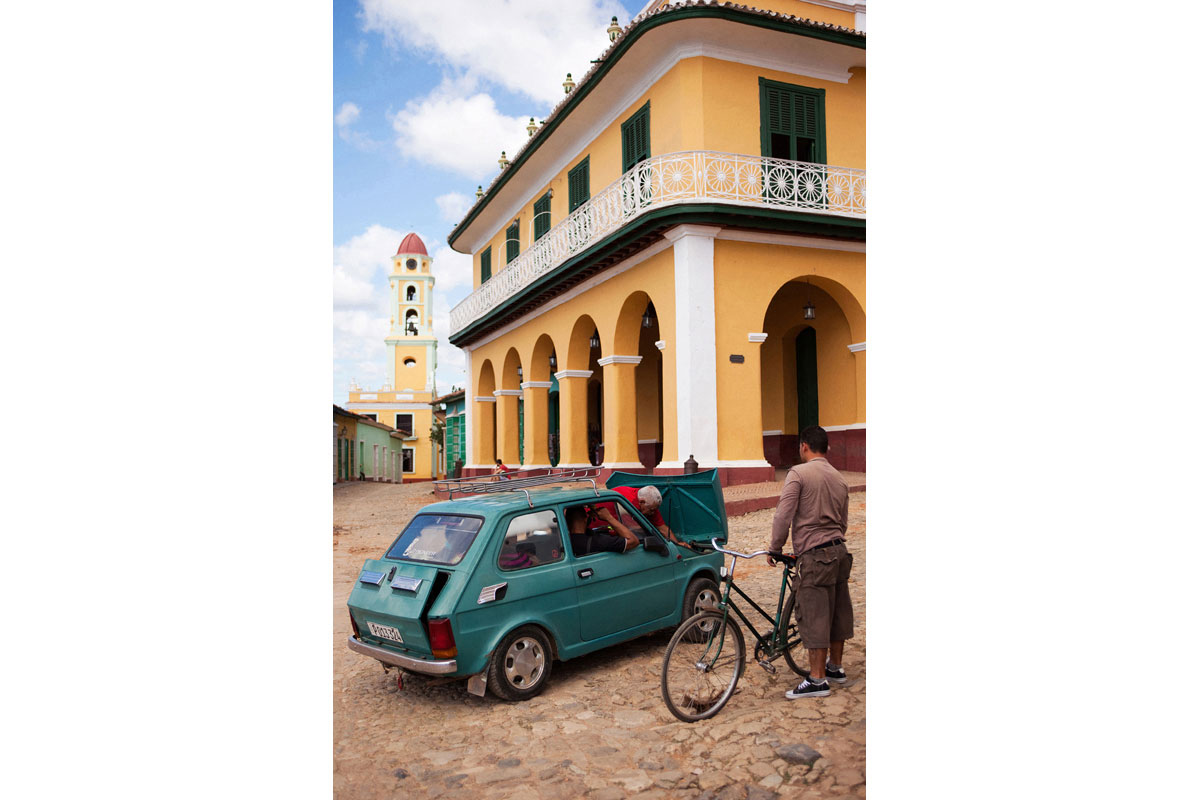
column 674, row 8
column 412, row 244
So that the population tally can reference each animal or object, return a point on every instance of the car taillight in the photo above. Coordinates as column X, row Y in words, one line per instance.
column 354, row 625
column 441, row 638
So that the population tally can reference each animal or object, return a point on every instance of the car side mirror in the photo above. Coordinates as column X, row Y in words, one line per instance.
column 656, row 545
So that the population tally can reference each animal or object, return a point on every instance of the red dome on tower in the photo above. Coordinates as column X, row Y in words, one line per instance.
column 412, row 244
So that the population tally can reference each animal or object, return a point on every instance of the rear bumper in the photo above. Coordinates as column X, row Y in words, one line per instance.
column 397, row 660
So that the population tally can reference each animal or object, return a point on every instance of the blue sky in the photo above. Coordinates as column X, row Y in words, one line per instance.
column 425, row 96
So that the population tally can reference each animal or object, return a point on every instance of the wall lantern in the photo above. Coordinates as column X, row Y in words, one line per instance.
column 809, row 311
column 595, row 340
column 568, row 84
column 649, row 317
column 553, row 362
column 519, row 373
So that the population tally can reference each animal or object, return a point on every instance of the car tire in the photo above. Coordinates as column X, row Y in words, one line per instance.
column 520, row 666
column 699, row 590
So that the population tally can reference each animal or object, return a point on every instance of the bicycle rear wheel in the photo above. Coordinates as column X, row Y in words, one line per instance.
column 702, row 665
column 793, row 636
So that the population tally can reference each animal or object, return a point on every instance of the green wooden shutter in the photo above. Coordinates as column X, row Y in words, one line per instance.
column 541, row 216
column 579, row 185
column 485, row 266
column 635, row 138
column 512, row 241
column 791, row 115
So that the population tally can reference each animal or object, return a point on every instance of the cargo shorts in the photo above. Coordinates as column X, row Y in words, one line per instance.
column 823, row 610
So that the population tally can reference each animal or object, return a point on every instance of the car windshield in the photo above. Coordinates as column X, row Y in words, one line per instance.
column 436, row 538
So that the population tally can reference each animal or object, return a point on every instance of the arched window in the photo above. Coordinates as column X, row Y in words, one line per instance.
column 411, row 320
column 411, row 295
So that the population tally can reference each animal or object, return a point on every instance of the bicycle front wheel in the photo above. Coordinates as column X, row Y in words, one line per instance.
column 701, row 668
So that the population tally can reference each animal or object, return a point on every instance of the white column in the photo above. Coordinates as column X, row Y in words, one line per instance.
column 375, row 462
column 695, row 343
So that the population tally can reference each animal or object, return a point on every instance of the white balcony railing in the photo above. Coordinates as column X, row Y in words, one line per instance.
column 667, row 180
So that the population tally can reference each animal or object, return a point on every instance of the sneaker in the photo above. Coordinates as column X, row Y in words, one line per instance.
column 835, row 675
column 807, row 689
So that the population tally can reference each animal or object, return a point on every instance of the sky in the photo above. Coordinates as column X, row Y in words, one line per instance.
column 425, row 96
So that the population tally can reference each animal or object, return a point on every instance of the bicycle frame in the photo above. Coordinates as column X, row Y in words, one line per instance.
column 771, row 645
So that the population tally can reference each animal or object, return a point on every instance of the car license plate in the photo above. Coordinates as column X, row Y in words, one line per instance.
column 385, row 632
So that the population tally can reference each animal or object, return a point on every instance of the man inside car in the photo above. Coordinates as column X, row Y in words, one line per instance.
column 613, row 537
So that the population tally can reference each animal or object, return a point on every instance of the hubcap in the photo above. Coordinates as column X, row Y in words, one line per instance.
column 524, row 662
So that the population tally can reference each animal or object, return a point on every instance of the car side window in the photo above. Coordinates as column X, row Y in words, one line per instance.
column 629, row 521
column 531, row 540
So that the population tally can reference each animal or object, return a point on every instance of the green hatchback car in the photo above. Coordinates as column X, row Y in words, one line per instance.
column 489, row 586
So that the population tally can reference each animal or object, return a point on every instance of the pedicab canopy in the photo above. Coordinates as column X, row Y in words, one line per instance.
column 693, row 506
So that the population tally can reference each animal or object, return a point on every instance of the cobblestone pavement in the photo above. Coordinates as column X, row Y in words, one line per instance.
column 601, row 729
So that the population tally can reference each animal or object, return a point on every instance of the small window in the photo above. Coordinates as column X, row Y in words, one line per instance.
column 411, row 263
column 411, row 319
column 411, row 295
column 410, row 362
column 531, row 540
column 485, row 266
column 579, row 186
column 436, row 538
column 404, row 424
column 407, row 459
column 512, row 240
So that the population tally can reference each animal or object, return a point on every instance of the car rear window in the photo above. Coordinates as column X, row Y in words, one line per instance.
column 436, row 538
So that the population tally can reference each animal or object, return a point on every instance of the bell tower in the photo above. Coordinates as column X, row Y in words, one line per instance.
column 412, row 345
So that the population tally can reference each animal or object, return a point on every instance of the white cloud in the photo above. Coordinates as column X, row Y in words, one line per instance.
column 453, row 271
column 452, row 206
column 542, row 40
column 347, row 115
column 345, row 118
column 464, row 134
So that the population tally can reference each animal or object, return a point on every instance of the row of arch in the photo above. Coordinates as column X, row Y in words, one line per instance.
column 596, row 395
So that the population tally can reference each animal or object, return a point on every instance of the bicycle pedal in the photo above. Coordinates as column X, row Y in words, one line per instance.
column 768, row 666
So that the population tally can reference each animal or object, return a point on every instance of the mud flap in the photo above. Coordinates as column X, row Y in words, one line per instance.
column 477, row 684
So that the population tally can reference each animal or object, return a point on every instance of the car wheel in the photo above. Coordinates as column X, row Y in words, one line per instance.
column 520, row 666
column 702, row 595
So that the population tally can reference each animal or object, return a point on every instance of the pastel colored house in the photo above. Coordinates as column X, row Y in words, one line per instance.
column 674, row 263
column 454, row 411
column 365, row 449
column 405, row 402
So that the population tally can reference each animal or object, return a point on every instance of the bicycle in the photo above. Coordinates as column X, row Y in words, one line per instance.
column 705, row 657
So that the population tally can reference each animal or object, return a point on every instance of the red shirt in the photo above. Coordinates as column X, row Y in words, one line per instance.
column 630, row 494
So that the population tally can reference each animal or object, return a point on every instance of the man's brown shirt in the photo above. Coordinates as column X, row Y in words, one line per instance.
column 814, row 504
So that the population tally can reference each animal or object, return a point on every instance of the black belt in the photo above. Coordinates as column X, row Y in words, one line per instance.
column 827, row 544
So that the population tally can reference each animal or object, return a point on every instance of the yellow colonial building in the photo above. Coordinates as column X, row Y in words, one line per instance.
column 406, row 402
column 674, row 263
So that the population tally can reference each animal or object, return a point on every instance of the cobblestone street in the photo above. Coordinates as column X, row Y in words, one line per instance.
column 601, row 729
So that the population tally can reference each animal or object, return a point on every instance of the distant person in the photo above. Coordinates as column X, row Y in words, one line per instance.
column 814, row 505
column 613, row 538
column 500, row 470
column 647, row 500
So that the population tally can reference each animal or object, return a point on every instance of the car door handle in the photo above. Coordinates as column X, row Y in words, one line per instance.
column 585, row 573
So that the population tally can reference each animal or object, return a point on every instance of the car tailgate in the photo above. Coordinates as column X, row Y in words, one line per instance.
column 693, row 505
column 395, row 600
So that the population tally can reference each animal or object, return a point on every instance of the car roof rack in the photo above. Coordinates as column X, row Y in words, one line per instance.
column 492, row 484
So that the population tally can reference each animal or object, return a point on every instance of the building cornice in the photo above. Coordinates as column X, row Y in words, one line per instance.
column 783, row 23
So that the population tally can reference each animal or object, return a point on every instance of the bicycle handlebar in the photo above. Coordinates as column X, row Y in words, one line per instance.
column 786, row 559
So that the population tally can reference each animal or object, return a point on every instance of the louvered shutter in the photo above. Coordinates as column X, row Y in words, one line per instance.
column 485, row 266
column 635, row 138
column 512, row 240
column 541, row 216
column 578, row 185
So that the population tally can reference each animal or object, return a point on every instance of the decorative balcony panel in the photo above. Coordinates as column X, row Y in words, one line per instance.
column 673, row 179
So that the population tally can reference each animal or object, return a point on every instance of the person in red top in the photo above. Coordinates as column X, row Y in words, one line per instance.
column 647, row 500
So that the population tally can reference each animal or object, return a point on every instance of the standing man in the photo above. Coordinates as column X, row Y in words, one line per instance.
column 814, row 505
column 648, row 499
